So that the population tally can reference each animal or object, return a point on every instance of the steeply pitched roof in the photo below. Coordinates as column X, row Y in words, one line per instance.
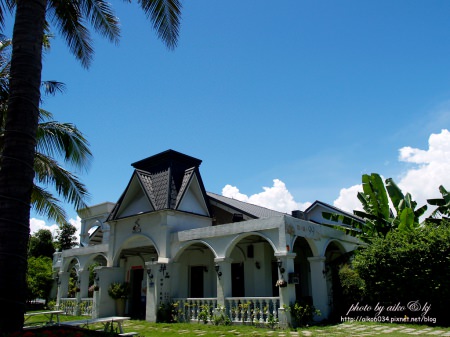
column 164, row 178
column 254, row 211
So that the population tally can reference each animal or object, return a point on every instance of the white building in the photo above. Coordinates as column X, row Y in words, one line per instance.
column 175, row 242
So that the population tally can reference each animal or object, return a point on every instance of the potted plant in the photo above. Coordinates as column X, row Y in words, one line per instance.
column 119, row 292
column 281, row 283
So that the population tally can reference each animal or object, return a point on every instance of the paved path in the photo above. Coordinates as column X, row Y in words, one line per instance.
column 356, row 330
column 343, row 330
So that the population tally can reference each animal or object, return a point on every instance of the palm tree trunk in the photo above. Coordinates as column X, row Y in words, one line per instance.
column 16, row 168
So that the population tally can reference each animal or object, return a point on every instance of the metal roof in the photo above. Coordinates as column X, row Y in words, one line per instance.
column 251, row 210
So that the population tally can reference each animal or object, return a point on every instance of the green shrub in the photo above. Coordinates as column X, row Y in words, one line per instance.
column 302, row 313
column 119, row 290
column 409, row 266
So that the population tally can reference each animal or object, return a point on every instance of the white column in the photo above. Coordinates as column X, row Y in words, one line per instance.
column 319, row 285
column 63, row 289
column 105, row 305
column 152, row 300
column 287, row 294
column 83, row 275
column 224, row 280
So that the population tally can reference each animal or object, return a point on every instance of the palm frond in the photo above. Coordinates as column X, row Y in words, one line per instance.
column 68, row 17
column 6, row 6
column 165, row 16
column 44, row 115
column 102, row 18
column 64, row 140
column 66, row 184
column 53, row 87
column 45, row 204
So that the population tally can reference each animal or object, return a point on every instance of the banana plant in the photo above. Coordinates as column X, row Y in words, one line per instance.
column 379, row 219
column 408, row 217
column 443, row 204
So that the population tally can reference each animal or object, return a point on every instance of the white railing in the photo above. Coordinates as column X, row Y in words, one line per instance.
column 252, row 309
column 69, row 305
column 239, row 309
column 72, row 307
column 195, row 309
column 86, row 305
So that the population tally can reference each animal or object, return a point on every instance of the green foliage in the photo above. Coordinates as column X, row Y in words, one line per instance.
column 203, row 315
column 352, row 285
column 66, row 238
column 41, row 244
column 119, row 290
column 378, row 217
column 221, row 319
column 408, row 266
column 443, row 204
column 168, row 313
column 272, row 321
column 39, row 277
column 302, row 313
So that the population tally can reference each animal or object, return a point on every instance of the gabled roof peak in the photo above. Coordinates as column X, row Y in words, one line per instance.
column 166, row 159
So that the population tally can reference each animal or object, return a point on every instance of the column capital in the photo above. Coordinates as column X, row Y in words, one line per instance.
column 223, row 260
column 317, row 259
column 287, row 255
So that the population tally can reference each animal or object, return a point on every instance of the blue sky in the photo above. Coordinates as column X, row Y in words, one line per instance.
column 310, row 93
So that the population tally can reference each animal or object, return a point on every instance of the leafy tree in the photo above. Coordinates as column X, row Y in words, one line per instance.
column 409, row 266
column 39, row 277
column 41, row 244
column 66, row 238
column 17, row 170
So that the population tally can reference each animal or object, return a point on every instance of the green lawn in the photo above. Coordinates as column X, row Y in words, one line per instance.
column 147, row 329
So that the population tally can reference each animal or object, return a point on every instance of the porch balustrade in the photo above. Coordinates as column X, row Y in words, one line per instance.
column 86, row 305
column 252, row 309
column 72, row 307
column 238, row 309
column 194, row 309
column 69, row 305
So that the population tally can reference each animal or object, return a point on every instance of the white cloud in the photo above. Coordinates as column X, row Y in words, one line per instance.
column 276, row 197
column 37, row 224
column 347, row 200
column 429, row 169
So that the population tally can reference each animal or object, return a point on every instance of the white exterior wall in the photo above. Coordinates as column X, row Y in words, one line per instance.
column 173, row 233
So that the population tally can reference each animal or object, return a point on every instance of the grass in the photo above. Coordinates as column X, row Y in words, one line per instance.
column 358, row 329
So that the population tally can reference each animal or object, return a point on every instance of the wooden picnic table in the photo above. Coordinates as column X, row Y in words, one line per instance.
column 106, row 321
column 47, row 314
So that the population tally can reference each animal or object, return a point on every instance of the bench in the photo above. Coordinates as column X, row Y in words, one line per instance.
column 128, row 334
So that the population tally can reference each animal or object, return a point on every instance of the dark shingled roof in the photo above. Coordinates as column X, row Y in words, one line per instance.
column 244, row 207
column 165, row 177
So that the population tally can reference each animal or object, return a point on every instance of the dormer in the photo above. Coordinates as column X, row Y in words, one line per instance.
column 167, row 181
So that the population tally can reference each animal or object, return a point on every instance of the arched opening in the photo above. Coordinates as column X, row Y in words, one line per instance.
column 253, row 268
column 195, row 275
column 74, row 278
column 302, row 270
column 132, row 256
column 97, row 261
column 333, row 258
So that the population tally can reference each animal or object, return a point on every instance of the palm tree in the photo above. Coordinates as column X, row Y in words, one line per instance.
column 17, row 160
column 54, row 139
